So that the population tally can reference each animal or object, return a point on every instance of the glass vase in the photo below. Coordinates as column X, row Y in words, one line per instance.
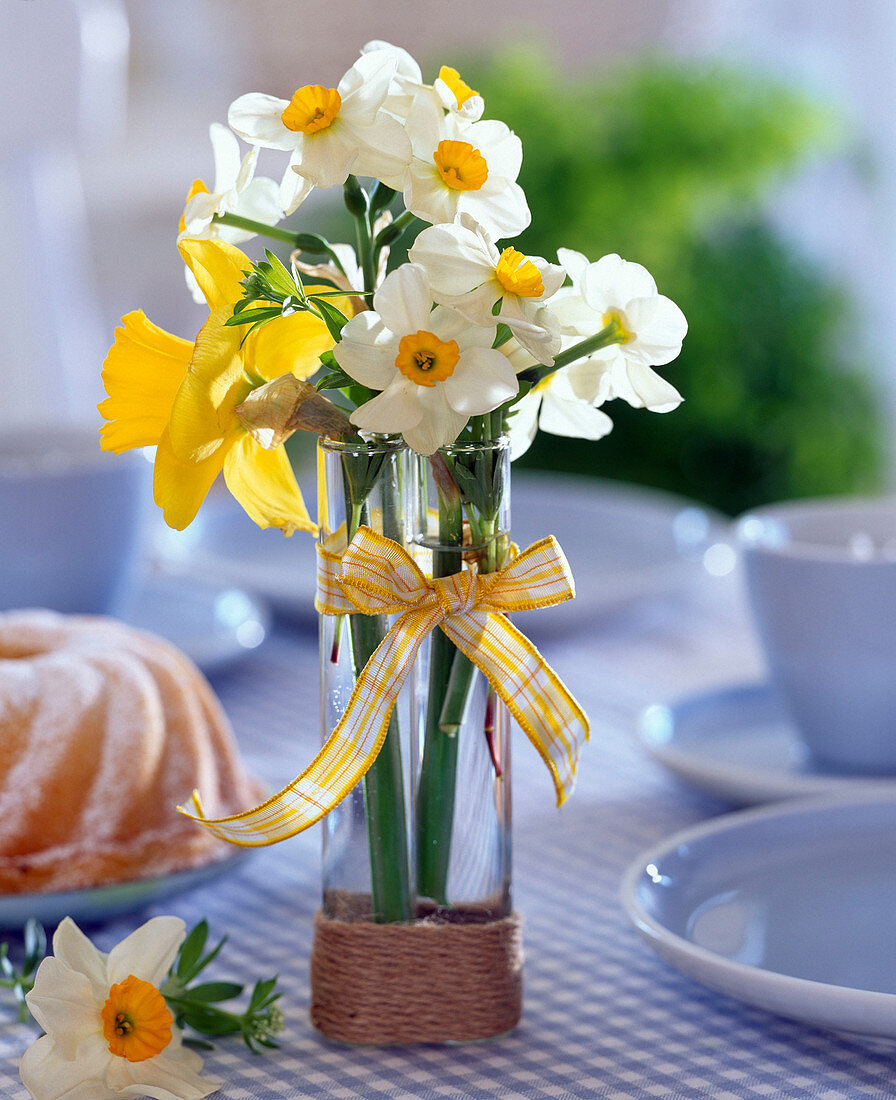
column 416, row 939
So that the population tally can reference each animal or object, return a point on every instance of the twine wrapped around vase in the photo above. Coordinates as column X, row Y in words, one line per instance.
column 429, row 981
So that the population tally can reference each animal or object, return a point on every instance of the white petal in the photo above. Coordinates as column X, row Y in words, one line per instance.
column 405, row 65
column 576, row 318
column 502, row 149
column 425, row 126
column 476, row 307
column 47, row 1075
column 294, row 189
column 537, row 329
column 74, row 950
column 577, row 419
column 576, row 264
column 427, row 196
column 384, row 151
column 256, row 118
column 482, row 380
column 499, row 206
column 247, row 169
column 161, row 1077
column 364, row 87
column 448, row 324
column 367, row 351
column 148, row 952
column 65, row 1004
column 454, row 257
column 645, row 389
column 198, row 213
column 260, row 201
column 326, row 158
column 522, row 423
column 591, row 379
column 659, row 327
column 612, row 282
column 404, row 300
column 439, row 425
column 226, row 150
column 552, row 276
column 396, row 409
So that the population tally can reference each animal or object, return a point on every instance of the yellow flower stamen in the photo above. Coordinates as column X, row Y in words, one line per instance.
column 198, row 188
column 311, row 109
column 426, row 359
column 615, row 317
column 461, row 91
column 517, row 275
column 136, row 1020
column 461, row 167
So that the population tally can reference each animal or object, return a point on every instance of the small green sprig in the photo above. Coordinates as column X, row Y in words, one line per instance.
column 21, row 981
column 194, row 1006
column 281, row 292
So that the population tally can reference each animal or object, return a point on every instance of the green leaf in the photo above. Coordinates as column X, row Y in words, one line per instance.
column 261, row 992
column 280, row 277
column 191, row 951
column 503, row 334
column 213, row 991
column 209, row 1022
column 333, row 318
column 312, row 243
column 251, row 316
column 35, row 945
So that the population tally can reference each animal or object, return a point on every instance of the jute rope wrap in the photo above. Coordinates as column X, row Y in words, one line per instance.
column 425, row 982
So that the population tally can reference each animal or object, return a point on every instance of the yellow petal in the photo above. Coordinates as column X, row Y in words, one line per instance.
column 203, row 411
column 180, row 487
column 264, row 484
column 288, row 345
column 218, row 268
column 141, row 374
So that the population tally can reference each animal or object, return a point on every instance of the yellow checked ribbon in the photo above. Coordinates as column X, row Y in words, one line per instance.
column 379, row 577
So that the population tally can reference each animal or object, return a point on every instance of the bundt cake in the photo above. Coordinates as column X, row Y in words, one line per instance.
column 104, row 729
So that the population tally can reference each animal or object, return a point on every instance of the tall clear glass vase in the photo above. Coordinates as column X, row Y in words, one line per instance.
column 416, row 940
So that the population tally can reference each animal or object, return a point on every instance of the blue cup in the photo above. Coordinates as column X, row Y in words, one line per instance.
column 71, row 520
column 821, row 580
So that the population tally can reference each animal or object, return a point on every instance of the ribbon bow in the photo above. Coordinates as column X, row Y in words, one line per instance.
column 380, row 577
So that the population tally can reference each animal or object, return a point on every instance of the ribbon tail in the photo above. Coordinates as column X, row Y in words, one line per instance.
column 347, row 754
column 535, row 695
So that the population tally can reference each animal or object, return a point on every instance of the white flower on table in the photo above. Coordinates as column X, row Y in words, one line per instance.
column 468, row 273
column 434, row 368
column 652, row 328
column 331, row 132
column 109, row 1032
column 464, row 168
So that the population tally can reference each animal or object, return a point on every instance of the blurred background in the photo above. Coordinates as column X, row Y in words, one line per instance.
column 743, row 150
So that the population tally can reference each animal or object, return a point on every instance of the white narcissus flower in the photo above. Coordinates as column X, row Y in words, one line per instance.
column 467, row 273
column 109, row 1032
column 653, row 327
column 464, row 168
column 332, row 131
column 557, row 404
column 434, row 368
column 235, row 191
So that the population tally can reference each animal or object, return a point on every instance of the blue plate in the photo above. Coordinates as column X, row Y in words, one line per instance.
column 738, row 744
column 788, row 908
column 105, row 903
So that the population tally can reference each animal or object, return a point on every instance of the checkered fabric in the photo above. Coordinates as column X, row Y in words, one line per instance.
column 603, row 1017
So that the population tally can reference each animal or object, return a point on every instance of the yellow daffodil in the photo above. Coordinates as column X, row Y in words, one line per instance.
column 184, row 397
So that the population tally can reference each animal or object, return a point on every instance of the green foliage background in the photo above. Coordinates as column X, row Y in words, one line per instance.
column 667, row 165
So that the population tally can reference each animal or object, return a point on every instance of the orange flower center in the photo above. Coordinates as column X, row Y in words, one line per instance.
column 311, row 109
column 426, row 359
column 517, row 275
column 136, row 1020
column 198, row 188
column 461, row 167
column 462, row 92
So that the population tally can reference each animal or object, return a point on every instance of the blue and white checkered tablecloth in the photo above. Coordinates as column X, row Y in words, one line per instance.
column 603, row 1017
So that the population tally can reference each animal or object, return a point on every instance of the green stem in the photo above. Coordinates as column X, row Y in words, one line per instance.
column 610, row 334
column 438, row 767
column 262, row 228
column 383, row 785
